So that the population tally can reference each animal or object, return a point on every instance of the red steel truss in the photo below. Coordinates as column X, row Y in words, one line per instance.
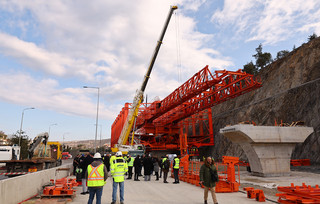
column 164, row 124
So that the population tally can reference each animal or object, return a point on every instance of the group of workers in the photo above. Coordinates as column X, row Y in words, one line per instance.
column 93, row 172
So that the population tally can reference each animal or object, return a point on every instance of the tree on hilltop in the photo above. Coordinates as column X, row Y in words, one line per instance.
column 262, row 58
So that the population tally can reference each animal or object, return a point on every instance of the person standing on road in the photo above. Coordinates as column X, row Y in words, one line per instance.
column 130, row 166
column 147, row 167
column 118, row 168
column 156, row 167
column 106, row 161
column 176, row 166
column 76, row 162
column 208, row 178
column 96, row 176
column 137, row 168
column 87, row 160
column 165, row 168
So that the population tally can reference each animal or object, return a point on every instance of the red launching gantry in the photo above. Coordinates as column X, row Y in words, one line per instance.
column 164, row 125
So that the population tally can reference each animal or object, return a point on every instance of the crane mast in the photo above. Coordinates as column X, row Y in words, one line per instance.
column 138, row 99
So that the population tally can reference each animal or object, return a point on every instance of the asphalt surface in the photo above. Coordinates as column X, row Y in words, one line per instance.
column 157, row 192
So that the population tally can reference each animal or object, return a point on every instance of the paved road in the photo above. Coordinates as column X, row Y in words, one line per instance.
column 157, row 192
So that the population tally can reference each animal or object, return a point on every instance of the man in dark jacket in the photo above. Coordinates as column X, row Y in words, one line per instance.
column 165, row 168
column 96, row 176
column 84, row 165
column 147, row 167
column 206, row 179
column 137, row 168
column 106, row 161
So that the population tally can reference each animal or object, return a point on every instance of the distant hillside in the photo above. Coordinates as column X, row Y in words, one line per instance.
column 86, row 144
column 290, row 92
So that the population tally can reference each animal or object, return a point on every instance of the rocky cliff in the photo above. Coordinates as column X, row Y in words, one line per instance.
column 290, row 92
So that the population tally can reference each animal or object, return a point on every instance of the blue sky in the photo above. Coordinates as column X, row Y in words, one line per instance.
column 49, row 50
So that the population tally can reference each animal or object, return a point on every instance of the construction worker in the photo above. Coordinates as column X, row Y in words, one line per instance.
column 206, row 179
column 113, row 157
column 130, row 166
column 165, row 168
column 96, row 176
column 118, row 168
column 176, row 166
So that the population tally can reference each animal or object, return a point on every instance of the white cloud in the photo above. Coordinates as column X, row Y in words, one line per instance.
column 46, row 94
column 270, row 21
column 107, row 44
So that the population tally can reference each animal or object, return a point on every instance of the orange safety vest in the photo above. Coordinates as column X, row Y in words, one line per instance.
column 95, row 176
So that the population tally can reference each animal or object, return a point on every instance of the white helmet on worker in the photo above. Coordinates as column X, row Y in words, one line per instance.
column 119, row 153
column 97, row 155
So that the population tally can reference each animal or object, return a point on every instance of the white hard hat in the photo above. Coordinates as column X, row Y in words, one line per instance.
column 119, row 153
column 97, row 155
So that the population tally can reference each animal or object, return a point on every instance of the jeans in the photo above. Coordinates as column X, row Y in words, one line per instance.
column 115, row 189
column 84, row 185
column 97, row 191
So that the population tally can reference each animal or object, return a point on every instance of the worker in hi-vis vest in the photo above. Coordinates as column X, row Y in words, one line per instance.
column 130, row 161
column 176, row 166
column 96, row 176
column 118, row 168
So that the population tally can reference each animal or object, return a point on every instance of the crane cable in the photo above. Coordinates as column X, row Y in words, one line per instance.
column 177, row 25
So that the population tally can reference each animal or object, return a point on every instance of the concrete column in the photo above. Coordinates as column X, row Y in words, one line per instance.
column 268, row 148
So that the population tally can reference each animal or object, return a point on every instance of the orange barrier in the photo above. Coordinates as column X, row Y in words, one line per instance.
column 300, row 162
column 299, row 194
column 189, row 172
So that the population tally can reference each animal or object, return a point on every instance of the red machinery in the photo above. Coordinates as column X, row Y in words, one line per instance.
column 164, row 125
column 299, row 194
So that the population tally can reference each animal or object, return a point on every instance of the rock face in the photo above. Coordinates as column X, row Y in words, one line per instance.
column 290, row 92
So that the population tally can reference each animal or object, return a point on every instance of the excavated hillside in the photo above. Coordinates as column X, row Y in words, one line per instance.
column 290, row 92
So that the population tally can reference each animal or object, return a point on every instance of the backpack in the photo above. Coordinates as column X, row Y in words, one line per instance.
column 166, row 164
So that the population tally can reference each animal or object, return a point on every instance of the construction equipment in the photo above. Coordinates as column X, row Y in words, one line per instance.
column 229, row 180
column 133, row 112
column 42, row 155
column 164, row 125
column 299, row 194
column 255, row 194
column 61, row 187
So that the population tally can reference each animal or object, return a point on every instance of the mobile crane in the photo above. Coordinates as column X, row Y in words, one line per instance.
column 138, row 99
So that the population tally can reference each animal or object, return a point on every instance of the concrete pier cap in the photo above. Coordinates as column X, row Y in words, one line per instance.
column 268, row 148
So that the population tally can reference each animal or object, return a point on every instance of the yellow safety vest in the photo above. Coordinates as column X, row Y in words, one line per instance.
column 118, row 168
column 112, row 158
column 95, row 176
column 131, row 162
column 177, row 161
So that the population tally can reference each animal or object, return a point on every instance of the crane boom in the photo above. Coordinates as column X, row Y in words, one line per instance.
column 123, row 138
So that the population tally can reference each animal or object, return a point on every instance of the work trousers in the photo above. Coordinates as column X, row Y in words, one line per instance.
column 176, row 175
column 115, row 189
column 213, row 194
column 165, row 175
column 130, row 172
column 95, row 191
column 157, row 176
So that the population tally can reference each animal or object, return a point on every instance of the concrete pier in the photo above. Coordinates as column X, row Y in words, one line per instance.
column 268, row 148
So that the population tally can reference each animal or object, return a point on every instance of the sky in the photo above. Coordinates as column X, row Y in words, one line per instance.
column 49, row 50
